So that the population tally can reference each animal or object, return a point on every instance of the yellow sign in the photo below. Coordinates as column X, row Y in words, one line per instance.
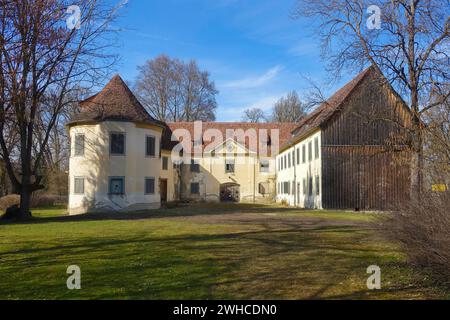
column 439, row 187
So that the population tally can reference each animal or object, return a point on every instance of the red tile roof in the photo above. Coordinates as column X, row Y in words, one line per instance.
column 284, row 131
column 115, row 102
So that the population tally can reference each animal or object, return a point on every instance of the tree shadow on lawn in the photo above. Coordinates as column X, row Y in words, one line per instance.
column 181, row 211
column 287, row 263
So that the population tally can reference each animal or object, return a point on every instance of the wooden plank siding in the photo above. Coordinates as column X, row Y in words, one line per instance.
column 360, row 169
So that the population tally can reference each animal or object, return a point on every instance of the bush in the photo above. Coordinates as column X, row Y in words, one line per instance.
column 423, row 228
column 37, row 200
column 42, row 200
column 8, row 201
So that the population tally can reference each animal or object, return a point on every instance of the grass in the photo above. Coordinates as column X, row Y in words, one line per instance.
column 204, row 252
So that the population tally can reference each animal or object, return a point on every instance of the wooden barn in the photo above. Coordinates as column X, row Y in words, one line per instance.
column 351, row 152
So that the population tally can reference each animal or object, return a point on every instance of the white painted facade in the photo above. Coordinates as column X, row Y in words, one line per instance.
column 95, row 168
column 299, row 173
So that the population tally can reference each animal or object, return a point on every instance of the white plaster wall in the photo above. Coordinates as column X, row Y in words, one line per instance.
column 297, row 172
column 97, row 165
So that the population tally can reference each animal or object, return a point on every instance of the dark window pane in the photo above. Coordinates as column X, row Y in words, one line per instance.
column 264, row 166
column 229, row 166
column 317, row 185
column 195, row 167
column 79, row 186
column 149, row 185
column 79, row 145
column 116, row 185
column 303, row 153
column 165, row 163
column 310, row 151
column 316, row 148
column 117, row 143
column 195, row 188
column 298, row 155
column 150, row 146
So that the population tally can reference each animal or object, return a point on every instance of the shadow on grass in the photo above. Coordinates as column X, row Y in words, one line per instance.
column 181, row 211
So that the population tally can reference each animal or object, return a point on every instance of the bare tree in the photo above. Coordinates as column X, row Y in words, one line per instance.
column 254, row 115
column 172, row 90
column 41, row 56
column 288, row 109
column 407, row 41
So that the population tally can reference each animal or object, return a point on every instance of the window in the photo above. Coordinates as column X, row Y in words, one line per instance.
column 117, row 143
column 116, row 185
column 309, row 151
column 79, row 145
column 264, row 166
column 316, row 148
column 263, row 187
column 150, row 146
column 285, row 162
column 298, row 155
column 229, row 166
column 286, row 187
column 78, row 187
column 310, row 186
column 304, row 186
column 165, row 163
column 317, row 185
column 293, row 158
column 303, row 154
column 195, row 167
column 293, row 188
column 289, row 160
column 195, row 188
column 149, row 185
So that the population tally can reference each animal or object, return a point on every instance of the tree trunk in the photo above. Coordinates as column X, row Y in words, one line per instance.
column 25, row 201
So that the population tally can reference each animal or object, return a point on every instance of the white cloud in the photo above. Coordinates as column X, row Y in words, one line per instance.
column 255, row 82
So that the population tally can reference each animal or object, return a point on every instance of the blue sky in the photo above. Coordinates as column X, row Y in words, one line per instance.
column 254, row 51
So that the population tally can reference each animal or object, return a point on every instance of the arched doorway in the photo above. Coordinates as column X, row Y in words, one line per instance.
column 229, row 192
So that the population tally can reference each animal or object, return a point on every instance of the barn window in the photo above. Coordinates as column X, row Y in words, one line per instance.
column 317, row 185
column 116, row 185
column 78, row 187
column 150, row 146
column 298, row 155
column 304, row 154
column 117, row 143
column 289, row 159
column 285, row 162
column 293, row 158
column 79, row 145
column 149, row 185
column 316, row 147
column 309, row 151
column 195, row 188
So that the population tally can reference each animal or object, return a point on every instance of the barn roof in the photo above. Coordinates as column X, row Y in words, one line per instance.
column 326, row 110
column 115, row 102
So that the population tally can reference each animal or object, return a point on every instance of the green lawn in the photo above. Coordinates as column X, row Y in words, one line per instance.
column 203, row 252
